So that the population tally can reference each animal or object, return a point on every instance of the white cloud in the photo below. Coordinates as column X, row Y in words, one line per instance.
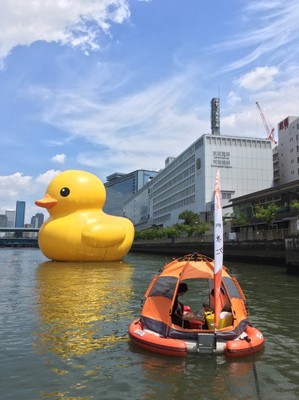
column 240, row 123
column 12, row 188
column 44, row 179
column 127, row 137
column 59, row 158
column 258, row 79
column 25, row 188
column 268, row 30
column 12, row 185
column 266, row 5
column 244, row 117
column 233, row 98
column 69, row 22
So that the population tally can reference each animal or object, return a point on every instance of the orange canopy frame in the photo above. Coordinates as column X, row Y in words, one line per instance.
column 160, row 295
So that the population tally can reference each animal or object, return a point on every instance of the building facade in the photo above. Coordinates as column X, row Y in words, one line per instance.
column 276, row 179
column 286, row 217
column 10, row 218
column 138, row 208
column 288, row 150
column 20, row 214
column 120, row 187
column 37, row 220
column 187, row 183
column 3, row 220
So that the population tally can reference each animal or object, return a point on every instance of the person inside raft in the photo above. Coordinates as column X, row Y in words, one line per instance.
column 178, row 307
column 223, row 301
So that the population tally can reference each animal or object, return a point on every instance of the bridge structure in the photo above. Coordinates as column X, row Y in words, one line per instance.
column 18, row 237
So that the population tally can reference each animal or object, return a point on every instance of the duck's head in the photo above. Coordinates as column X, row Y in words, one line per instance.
column 73, row 190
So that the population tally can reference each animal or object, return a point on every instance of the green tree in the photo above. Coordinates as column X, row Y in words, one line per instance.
column 171, row 231
column 200, row 229
column 266, row 214
column 181, row 228
column 189, row 217
column 295, row 205
column 192, row 224
column 239, row 219
column 149, row 234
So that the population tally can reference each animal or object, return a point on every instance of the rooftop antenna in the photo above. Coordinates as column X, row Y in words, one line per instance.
column 215, row 116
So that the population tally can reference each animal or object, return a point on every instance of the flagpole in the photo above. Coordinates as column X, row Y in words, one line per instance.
column 218, row 249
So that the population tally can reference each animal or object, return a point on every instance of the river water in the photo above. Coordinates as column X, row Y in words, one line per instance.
column 63, row 335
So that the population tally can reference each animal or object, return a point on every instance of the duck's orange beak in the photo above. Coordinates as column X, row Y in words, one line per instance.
column 46, row 202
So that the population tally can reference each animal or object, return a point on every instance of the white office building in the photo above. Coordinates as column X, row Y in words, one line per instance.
column 187, row 181
column 288, row 150
column 138, row 208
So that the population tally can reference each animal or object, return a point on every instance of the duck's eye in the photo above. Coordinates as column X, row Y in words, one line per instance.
column 64, row 192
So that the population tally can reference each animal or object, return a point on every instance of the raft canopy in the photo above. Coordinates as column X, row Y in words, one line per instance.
column 160, row 295
column 195, row 266
column 165, row 286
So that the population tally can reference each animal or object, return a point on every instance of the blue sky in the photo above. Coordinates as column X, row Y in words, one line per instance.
column 116, row 85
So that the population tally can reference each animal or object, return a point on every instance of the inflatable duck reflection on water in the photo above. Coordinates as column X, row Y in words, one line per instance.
column 78, row 229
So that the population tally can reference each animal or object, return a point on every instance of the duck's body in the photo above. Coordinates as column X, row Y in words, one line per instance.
column 85, row 236
column 78, row 229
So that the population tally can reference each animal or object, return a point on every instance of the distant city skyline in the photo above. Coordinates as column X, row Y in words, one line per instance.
column 15, row 218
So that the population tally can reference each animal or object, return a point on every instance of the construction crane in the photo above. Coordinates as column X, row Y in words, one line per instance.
column 269, row 131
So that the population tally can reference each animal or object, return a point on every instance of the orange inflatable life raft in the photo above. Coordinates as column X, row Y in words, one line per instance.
column 155, row 329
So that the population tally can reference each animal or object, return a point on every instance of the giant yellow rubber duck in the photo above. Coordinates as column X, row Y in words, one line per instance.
column 78, row 229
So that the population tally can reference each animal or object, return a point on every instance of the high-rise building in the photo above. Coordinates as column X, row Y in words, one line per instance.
column 20, row 214
column 37, row 220
column 288, row 150
column 120, row 187
column 3, row 220
column 11, row 217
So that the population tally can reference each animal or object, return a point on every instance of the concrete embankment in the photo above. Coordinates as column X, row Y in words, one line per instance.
column 292, row 254
column 259, row 252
